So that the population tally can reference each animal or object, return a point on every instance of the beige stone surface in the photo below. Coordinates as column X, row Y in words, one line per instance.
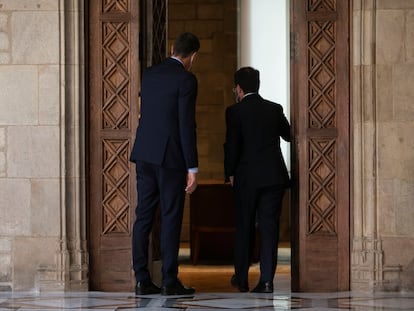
column 2, row 164
column 5, row 261
column 49, row 95
column 356, row 28
column 390, row 36
column 385, row 105
column 395, row 4
column 367, row 30
column 2, row 138
column 18, row 89
column 42, row 253
column 405, row 216
column 15, row 207
column 4, row 41
column 403, row 246
column 368, row 95
column 5, row 267
column 409, row 36
column 2, row 153
column 386, row 207
column 35, row 37
column 4, row 22
column 5, row 245
column 45, row 207
column 383, row 147
column 4, row 58
column 403, row 92
column 387, row 216
column 29, row 5
column 395, row 150
column 33, row 152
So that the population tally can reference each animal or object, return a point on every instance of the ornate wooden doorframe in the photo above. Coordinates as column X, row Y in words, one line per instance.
column 321, row 149
column 320, row 118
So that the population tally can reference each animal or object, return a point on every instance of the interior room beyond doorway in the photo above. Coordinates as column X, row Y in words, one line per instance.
column 263, row 43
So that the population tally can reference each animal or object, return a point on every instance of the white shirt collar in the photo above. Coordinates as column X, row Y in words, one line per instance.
column 251, row 93
column 176, row 58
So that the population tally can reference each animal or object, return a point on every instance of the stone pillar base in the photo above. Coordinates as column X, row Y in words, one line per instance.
column 367, row 270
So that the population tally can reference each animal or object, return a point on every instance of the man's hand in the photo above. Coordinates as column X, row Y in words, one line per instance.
column 231, row 178
column 191, row 183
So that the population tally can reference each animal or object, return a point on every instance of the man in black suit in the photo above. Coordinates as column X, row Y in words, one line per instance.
column 165, row 154
column 254, row 165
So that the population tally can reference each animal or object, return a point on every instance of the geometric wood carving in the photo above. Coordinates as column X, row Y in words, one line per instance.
column 114, row 69
column 115, row 187
column 321, row 97
column 115, row 76
column 322, row 5
column 115, row 5
column 321, row 73
column 322, row 192
column 322, row 186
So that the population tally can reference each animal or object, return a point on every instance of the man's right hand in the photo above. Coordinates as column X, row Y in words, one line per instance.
column 191, row 183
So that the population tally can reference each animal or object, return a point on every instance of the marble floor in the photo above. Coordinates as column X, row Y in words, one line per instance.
column 280, row 300
column 213, row 292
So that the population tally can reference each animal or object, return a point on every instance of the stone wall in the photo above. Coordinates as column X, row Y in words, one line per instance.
column 383, row 92
column 395, row 117
column 30, row 139
column 39, row 144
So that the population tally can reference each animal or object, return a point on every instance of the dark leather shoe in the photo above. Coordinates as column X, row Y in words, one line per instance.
column 263, row 287
column 241, row 286
column 177, row 289
column 146, row 288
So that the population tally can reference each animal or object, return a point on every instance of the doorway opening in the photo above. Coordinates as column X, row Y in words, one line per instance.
column 263, row 43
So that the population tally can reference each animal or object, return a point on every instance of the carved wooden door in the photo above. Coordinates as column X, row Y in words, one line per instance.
column 113, row 116
column 321, row 116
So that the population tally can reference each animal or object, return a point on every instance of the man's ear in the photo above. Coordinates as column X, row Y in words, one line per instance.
column 193, row 56
column 172, row 49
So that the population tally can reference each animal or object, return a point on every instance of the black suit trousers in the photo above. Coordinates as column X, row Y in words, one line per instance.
column 261, row 205
column 158, row 186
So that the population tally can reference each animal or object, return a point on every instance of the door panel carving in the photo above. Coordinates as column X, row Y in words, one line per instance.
column 115, row 53
column 113, row 110
column 320, row 100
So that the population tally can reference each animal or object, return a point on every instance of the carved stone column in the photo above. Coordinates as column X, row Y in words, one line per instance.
column 367, row 261
column 71, row 270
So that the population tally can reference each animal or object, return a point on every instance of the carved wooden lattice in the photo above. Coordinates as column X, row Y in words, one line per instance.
column 322, row 192
column 322, row 186
column 322, row 5
column 115, row 76
column 115, row 117
column 115, row 5
column 116, row 187
column 321, row 53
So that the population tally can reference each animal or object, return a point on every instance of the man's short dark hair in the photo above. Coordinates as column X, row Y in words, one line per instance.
column 186, row 44
column 248, row 79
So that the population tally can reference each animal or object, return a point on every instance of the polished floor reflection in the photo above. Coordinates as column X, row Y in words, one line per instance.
column 280, row 300
column 212, row 282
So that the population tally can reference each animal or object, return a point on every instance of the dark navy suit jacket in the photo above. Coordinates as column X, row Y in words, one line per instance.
column 166, row 134
column 252, row 148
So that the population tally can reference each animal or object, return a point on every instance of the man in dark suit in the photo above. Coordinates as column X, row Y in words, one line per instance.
column 254, row 165
column 165, row 154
